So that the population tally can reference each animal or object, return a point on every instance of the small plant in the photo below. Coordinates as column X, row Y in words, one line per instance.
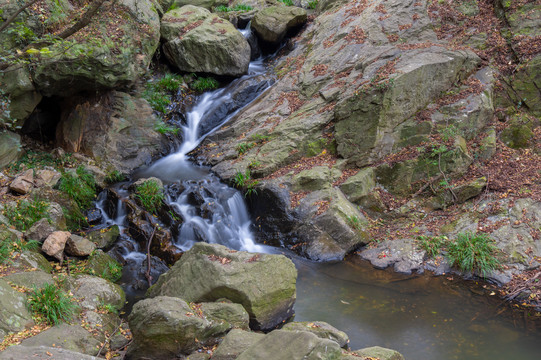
column 9, row 246
column 114, row 177
column 113, row 272
column 150, row 195
column 107, row 308
column 240, row 7
column 354, row 222
column 32, row 159
column 448, row 132
column 312, row 4
column 164, row 128
column 202, row 84
column 254, row 164
column 52, row 304
column 432, row 244
column 170, row 82
column 158, row 93
column 23, row 215
column 286, row 2
column 79, row 186
column 260, row 138
column 243, row 180
column 75, row 219
column 473, row 252
column 243, row 148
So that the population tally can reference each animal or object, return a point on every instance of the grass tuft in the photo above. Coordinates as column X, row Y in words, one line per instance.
column 473, row 252
column 150, row 196
column 79, row 186
column 23, row 215
column 202, row 84
column 52, row 304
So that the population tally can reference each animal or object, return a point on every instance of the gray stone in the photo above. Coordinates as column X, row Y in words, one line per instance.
column 272, row 23
column 199, row 41
column 30, row 279
column 79, row 246
column 23, row 183
column 208, row 272
column 104, row 238
column 231, row 313
column 20, row 352
column 234, row 343
column 14, row 315
column 46, row 177
column 39, row 231
column 94, row 291
column 54, row 244
column 320, row 329
column 166, row 327
column 380, row 353
column 32, row 260
column 301, row 345
column 69, row 337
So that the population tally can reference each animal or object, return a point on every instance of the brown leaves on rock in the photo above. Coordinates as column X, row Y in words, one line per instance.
column 322, row 206
column 304, row 164
column 346, row 174
column 293, row 101
column 189, row 27
column 319, row 70
column 221, row 260
column 296, row 197
column 254, row 258
column 356, row 36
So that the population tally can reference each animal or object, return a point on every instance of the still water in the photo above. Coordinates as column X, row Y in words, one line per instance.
column 423, row 317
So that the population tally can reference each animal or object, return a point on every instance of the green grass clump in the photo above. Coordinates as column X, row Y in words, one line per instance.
column 10, row 244
column 36, row 159
column 202, row 84
column 23, row 215
column 432, row 244
column 113, row 272
column 79, row 186
column 286, row 2
column 158, row 93
column 164, row 128
column 52, row 304
column 354, row 222
column 114, row 177
column 473, row 252
column 239, row 7
column 150, row 196
column 312, row 4
column 244, row 181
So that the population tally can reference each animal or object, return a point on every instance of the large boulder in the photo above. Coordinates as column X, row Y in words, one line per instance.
column 111, row 52
column 166, row 327
column 14, row 315
column 93, row 291
column 198, row 41
column 234, row 343
column 30, row 279
column 272, row 23
column 320, row 329
column 300, row 345
column 208, row 272
column 23, row 98
column 115, row 128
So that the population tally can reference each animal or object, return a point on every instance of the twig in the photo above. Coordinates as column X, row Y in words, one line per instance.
column 108, row 338
column 12, row 17
column 147, row 274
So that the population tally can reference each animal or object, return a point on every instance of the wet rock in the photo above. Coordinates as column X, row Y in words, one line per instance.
column 231, row 313
column 79, row 246
column 199, row 41
column 14, row 315
column 39, row 231
column 23, row 183
column 55, row 243
column 20, row 352
column 234, row 343
column 273, row 23
column 166, row 327
column 320, row 329
column 104, row 238
column 300, row 345
column 93, row 216
column 69, row 337
column 403, row 254
column 213, row 272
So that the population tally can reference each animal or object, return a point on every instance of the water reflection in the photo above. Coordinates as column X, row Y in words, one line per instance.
column 423, row 317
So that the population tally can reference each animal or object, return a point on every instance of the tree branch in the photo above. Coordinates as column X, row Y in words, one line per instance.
column 84, row 21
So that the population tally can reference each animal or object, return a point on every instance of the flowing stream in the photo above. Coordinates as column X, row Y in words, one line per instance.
column 423, row 317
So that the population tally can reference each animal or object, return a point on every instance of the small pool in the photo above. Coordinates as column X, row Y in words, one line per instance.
column 422, row 316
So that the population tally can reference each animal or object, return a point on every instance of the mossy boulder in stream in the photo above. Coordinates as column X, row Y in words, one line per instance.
column 272, row 24
column 198, row 41
column 209, row 272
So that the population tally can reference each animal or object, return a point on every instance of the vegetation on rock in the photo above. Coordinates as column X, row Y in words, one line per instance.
column 150, row 195
column 79, row 185
column 52, row 304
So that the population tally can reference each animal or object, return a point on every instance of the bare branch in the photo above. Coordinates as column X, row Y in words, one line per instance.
column 12, row 17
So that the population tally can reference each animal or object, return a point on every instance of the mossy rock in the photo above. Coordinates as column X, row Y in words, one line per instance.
column 103, row 265
column 518, row 134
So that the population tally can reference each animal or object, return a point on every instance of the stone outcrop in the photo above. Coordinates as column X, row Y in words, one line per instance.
column 209, row 272
column 273, row 23
column 198, row 41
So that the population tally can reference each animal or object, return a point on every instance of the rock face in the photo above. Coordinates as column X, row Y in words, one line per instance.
column 113, row 59
column 93, row 291
column 166, row 327
column 114, row 128
column 19, row 352
column 209, row 272
column 14, row 316
column 272, row 23
column 199, row 41
column 10, row 148
column 24, row 98
column 234, row 343
column 320, row 329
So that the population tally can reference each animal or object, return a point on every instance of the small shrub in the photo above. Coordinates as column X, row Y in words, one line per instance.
column 260, row 138
column 158, row 93
column 164, row 128
column 150, row 196
column 33, row 159
column 286, row 2
column 243, row 148
column 354, row 222
column 243, row 180
column 312, row 4
column 52, row 304
column 254, row 164
column 79, row 186
column 23, row 215
column 113, row 272
column 202, row 84
column 432, row 244
column 170, row 82
column 107, row 308
column 473, row 252
column 75, row 219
